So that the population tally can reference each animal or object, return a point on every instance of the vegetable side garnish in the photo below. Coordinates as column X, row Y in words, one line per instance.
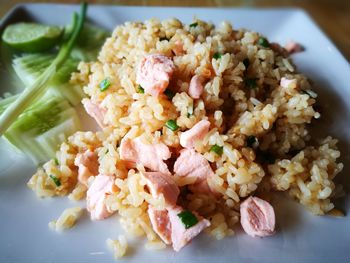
column 217, row 55
column 194, row 24
column 217, row 149
column 140, row 89
column 187, row 218
column 172, row 125
column 37, row 89
column 263, row 42
column 104, row 84
column 55, row 180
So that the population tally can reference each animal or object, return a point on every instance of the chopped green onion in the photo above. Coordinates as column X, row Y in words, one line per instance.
column 172, row 125
column 251, row 140
column 187, row 218
column 217, row 55
column 263, row 42
column 194, row 24
column 56, row 161
column 163, row 38
column 55, row 180
column 217, row 149
column 104, row 85
column 169, row 93
column 246, row 62
column 188, row 114
column 140, row 89
column 250, row 82
column 39, row 87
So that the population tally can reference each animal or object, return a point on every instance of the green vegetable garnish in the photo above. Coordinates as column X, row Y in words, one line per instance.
column 104, row 85
column 55, row 180
column 169, row 93
column 56, row 161
column 32, row 37
column 217, row 55
column 263, row 42
column 187, row 218
column 217, row 149
column 38, row 88
column 250, row 82
column 246, row 62
column 194, row 24
column 172, row 125
column 140, row 89
column 250, row 141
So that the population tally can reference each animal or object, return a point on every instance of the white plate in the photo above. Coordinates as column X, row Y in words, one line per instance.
column 301, row 237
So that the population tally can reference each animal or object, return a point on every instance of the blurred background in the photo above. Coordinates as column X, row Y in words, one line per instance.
column 333, row 16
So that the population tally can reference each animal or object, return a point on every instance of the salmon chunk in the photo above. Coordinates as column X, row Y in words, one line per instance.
column 95, row 111
column 196, row 88
column 178, row 48
column 180, row 236
column 196, row 133
column 87, row 163
column 154, row 73
column 151, row 156
column 102, row 186
column 159, row 183
column 193, row 164
column 257, row 217
column 293, row 47
column 160, row 223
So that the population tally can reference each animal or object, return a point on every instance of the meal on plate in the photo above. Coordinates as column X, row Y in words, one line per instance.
column 196, row 126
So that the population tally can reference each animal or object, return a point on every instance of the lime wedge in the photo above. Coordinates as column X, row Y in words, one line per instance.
column 32, row 37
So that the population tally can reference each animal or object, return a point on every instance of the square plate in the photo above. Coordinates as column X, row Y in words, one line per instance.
column 301, row 237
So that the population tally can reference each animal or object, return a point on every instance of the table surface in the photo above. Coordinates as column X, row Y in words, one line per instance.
column 333, row 16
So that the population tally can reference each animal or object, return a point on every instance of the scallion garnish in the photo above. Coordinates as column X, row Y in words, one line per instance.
column 172, row 125
column 194, row 24
column 187, row 218
column 250, row 141
column 250, row 82
column 104, row 84
column 169, row 93
column 140, row 89
column 56, row 161
column 217, row 149
column 55, row 180
column 263, row 42
column 246, row 62
column 217, row 55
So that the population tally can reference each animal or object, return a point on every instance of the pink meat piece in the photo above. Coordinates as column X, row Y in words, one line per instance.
column 154, row 73
column 178, row 48
column 279, row 49
column 159, row 183
column 102, row 186
column 160, row 223
column 257, row 217
column 87, row 163
column 95, row 111
column 286, row 82
column 180, row 236
column 151, row 156
column 293, row 47
column 196, row 88
column 192, row 164
column 196, row 133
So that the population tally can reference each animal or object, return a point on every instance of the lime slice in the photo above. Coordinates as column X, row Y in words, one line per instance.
column 31, row 37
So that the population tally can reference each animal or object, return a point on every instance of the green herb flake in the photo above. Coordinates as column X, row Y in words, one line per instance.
column 187, row 218
column 56, row 161
column 104, row 85
column 169, row 93
column 217, row 149
column 194, row 24
column 217, row 55
column 250, row 82
column 140, row 89
column 55, row 180
column 172, row 125
column 246, row 63
column 263, row 42
column 251, row 140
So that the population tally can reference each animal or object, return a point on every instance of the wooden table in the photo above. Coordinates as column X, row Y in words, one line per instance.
column 332, row 15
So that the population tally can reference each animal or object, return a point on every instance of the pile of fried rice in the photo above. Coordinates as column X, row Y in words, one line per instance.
column 258, row 123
